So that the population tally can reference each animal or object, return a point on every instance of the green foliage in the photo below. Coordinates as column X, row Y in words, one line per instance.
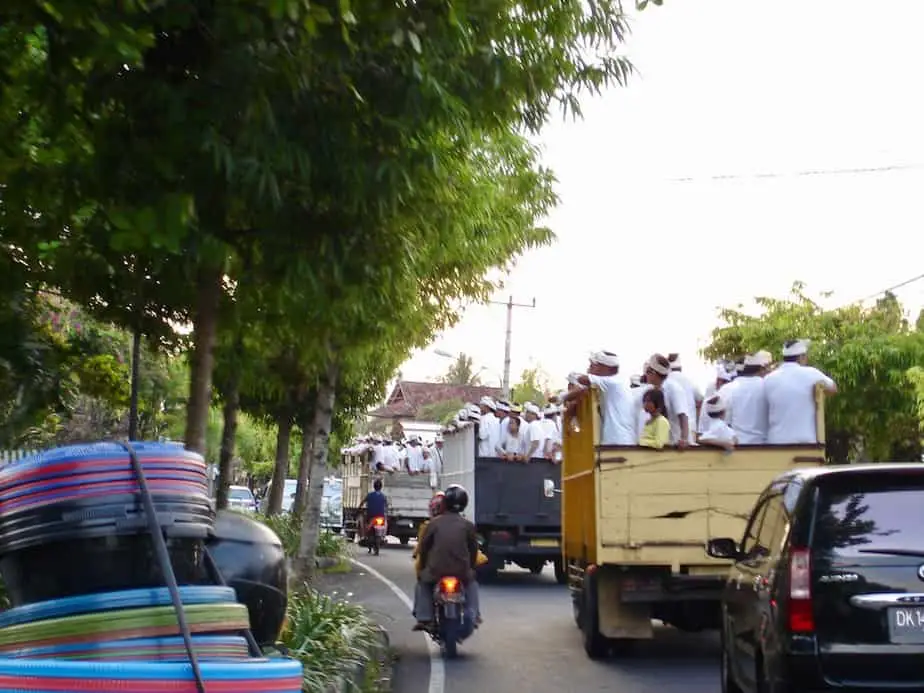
column 440, row 412
column 329, row 636
column 533, row 386
column 462, row 372
column 288, row 528
column 868, row 352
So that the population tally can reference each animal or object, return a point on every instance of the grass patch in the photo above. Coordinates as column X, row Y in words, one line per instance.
column 330, row 638
column 344, row 566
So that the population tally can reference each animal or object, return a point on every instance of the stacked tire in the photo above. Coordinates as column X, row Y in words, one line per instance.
column 91, row 611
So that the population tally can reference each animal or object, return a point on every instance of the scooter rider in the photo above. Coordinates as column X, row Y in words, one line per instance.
column 376, row 505
column 449, row 549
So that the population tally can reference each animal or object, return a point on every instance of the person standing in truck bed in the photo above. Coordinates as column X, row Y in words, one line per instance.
column 791, row 397
column 618, row 411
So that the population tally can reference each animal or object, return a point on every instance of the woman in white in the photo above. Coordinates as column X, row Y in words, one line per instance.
column 513, row 443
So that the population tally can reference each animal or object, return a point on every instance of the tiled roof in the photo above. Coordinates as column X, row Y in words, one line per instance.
column 409, row 396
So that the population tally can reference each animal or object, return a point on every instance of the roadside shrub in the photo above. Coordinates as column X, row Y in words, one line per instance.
column 329, row 637
column 330, row 545
column 289, row 530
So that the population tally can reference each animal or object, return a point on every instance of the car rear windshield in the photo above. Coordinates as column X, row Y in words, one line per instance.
column 241, row 494
column 870, row 513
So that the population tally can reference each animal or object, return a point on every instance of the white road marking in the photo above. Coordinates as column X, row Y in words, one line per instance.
column 437, row 669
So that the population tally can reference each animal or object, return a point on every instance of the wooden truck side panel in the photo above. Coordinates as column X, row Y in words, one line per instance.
column 579, row 500
column 634, row 505
column 658, row 507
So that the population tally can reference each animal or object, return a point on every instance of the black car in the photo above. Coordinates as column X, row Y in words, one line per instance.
column 827, row 588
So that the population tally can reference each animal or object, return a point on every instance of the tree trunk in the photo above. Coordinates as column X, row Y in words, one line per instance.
column 304, row 458
column 208, row 289
column 281, row 470
column 228, row 437
column 311, row 521
column 135, row 385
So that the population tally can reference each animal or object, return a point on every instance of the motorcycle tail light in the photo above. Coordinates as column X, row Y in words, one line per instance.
column 379, row 521
column 449, row 585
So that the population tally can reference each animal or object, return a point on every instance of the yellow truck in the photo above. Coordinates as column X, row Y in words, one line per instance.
column 635, row 522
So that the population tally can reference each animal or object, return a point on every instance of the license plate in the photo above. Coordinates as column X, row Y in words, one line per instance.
column 544, row 543
column 906, row 625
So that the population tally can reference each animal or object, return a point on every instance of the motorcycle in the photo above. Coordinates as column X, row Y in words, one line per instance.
column 453, row 623
column 377, row 536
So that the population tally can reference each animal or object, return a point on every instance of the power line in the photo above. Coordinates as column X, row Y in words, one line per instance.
column 892, row 288
column 802, row 173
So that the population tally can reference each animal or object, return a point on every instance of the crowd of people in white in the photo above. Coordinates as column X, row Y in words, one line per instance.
column 386, row 455
column 752, row 401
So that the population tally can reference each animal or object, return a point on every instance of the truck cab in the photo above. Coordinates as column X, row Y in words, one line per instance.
column 516, row 506
column 636, row 520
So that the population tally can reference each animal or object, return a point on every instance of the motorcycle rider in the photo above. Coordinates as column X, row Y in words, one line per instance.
column 376, row 505
column 449, row 548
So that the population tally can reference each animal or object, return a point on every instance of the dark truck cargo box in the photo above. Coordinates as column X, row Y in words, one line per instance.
column 516, row 506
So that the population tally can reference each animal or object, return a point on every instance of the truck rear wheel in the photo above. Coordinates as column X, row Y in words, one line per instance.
column 404, row 540
column 595, row 644
column 561, row 572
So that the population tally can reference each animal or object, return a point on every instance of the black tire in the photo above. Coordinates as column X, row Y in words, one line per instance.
column 561, row 572
column 404, row 540
column 350, row 536
column 535, row 569
column 595, row 644
column 728, row 682
column 449, row 632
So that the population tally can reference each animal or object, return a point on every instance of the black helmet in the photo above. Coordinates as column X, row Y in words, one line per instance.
column 456, row 499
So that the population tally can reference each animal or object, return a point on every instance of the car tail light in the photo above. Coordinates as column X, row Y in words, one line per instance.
column 379, row 521
column 449, row 585
column 801, row 619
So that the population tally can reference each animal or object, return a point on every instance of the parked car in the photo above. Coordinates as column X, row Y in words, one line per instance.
column 332, row 505
column 827, row 587
column 241, row 498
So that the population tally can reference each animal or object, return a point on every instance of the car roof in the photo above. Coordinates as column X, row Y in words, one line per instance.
column 834, row 470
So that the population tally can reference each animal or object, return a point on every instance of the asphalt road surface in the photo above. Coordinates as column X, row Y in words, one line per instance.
column 528, row 642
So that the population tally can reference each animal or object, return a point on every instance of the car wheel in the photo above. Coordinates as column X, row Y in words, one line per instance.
column 728, row 680
column 596, row 646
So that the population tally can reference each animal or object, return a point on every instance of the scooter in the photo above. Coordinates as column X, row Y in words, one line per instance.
column 377, row 536
column 453, row 623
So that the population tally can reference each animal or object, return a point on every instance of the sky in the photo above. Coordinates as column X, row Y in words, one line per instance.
column 653, row 243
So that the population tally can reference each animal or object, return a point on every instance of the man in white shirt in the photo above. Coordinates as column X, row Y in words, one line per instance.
column 551, row 425
column 790, row 393
column 378, row 455
column 747, row 401
column 617, row 403
column 488, row 428
column 717, row 432
column 658, row 374
column 723, row 378
column 415, row 459
column 534, row 431
column 694, row 394
column 390, row 456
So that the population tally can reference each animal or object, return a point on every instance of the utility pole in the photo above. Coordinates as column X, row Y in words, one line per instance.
column 510, row 306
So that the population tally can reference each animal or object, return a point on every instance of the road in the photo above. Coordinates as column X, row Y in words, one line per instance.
column 528, row 642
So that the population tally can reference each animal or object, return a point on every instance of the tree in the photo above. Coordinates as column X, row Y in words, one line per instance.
column 462, row 372
column 533, row 386
column 868, row 352
column 440, row 412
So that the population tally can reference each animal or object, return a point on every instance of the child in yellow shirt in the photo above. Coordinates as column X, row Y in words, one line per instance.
column 657, row 432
